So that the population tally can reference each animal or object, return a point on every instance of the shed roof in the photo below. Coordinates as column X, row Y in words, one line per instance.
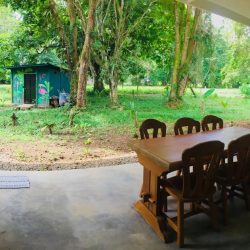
column 36, row 65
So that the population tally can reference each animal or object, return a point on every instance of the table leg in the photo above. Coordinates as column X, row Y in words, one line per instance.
column 158, row 224
column 151, row 204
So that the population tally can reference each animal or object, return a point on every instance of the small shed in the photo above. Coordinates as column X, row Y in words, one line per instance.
column 38, row 83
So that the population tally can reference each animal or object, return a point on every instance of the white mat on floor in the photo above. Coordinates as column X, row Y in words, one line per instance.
column 13, row 182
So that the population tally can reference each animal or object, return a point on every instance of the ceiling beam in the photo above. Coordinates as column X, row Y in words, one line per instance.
column 238, row 10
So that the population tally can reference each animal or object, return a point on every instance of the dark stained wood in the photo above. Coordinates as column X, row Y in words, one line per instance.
column 152, row 124
column 162, row 155
column 150, row 208
column 167, row 151
column 186, row 123
column 236, row 173
column 214, row 121
column 200, row 164
column 191, row 124
column 199, row 179
column 156, row 126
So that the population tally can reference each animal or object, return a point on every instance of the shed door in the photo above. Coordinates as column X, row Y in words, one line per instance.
column 29, row 88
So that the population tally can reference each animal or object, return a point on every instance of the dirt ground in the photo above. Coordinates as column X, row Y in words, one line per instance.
column 70, row 152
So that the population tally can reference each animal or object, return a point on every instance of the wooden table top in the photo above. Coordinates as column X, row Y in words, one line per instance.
column 168, row 151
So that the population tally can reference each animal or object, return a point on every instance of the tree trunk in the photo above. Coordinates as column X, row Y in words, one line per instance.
column 98, row 82
column 174, row 79
column 73, row 85
column 74, row 50
column 113, row 87
column 186, row 36
column 182, row 85
column 189, row 47
column 84, row 59
column 70, row 45
column 73, row 28
column 183, row 71
column 192, row 42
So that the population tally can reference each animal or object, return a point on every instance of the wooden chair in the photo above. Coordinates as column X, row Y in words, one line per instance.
column 195, row 185
column 190, row 123
column 144, row 133
column 152, row 124
column 233, row 176
column 213, row 120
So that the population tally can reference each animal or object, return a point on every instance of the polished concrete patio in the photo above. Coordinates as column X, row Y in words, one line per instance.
column 93, row 209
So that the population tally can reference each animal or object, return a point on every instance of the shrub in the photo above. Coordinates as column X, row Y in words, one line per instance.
column 245, row 89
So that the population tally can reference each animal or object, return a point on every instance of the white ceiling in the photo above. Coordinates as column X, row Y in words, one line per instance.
column 238, row 10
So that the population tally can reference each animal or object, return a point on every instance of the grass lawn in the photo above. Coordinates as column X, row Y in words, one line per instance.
column 108, row 127
column 99, row 115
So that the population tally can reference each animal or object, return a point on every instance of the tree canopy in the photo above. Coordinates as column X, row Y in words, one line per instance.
column 117, row 42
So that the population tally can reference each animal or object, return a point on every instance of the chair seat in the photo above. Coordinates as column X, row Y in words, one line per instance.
column 224, row 172
column 174, row 186
column 195, row 185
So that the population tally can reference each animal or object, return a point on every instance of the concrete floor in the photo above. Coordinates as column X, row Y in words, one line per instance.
column 93, row 209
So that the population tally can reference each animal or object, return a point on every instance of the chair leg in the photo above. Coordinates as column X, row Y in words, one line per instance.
column 213, row 212
column 224, row 203
column 246, row 197
column 192, row 206
column 180, row 224
column 164, row 201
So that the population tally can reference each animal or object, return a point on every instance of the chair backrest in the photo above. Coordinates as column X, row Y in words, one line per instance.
column 152, row 124
column 213, row 120
column 200, row 164
column 190, row 123
column 239, row 160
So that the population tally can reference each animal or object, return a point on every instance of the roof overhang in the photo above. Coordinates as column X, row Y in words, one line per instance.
column 37, row 65
column 238, row 10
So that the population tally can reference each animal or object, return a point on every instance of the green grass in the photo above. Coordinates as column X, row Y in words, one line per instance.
column 141, row 90
column 5, row 95
column 99, row 116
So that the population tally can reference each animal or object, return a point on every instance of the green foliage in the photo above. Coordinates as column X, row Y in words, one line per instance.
column 159, row 76
column 5, row 95
column 224, row 104
column 8, row 26
column 99, row 116
column 29, row 34
column 154, row 41
column 133, row 111
column 88, row 141
column 245, row 90
column 208, row 93
column 211, row 54
column 125, row 90
column 237, row 71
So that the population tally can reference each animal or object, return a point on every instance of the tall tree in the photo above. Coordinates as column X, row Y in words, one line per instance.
column 185, row 43
column 68, row 38
column 118, row 20
column 84, row 59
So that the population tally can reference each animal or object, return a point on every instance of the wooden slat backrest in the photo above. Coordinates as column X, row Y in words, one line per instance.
column 190, row 123
column 152, row 124
column 199, row 166
column 239, row 159
column 211, row 119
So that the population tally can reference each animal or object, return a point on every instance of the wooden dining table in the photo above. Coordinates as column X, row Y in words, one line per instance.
column 159, row 157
